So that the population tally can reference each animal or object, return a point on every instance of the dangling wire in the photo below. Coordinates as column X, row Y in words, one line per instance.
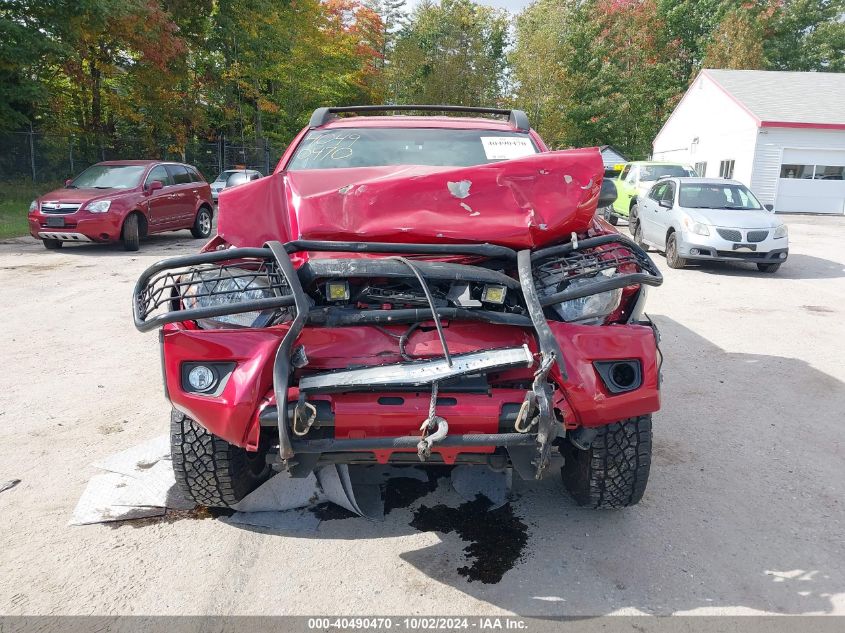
column 430, row 299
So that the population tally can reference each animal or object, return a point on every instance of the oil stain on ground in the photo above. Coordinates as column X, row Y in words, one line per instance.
column 497, row 538
column 171, row 516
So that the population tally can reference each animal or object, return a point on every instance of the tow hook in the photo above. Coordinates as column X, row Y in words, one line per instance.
column 434, row 428
column 526, row 418
column 304, row 415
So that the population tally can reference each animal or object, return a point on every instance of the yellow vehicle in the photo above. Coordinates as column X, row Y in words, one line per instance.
column 634, row 180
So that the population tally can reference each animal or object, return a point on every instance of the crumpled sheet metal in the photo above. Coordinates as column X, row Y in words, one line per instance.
column 139, row 483
column 520, row 203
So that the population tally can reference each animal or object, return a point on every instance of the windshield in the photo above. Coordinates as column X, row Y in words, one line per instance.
column 654, row 172
column 109, row 177
column 718, row 196
column 375, row 147
column 237, row 178
column 224, row 176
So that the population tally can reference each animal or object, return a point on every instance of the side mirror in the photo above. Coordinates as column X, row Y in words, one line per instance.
column 155, row 185
column 607, row 195
column 68, row 182
column 666, row 204
column 769, row 207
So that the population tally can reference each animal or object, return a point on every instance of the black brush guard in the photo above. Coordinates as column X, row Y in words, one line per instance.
column 161, row 290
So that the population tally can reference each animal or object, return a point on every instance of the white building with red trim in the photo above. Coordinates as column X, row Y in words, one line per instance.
column 780, row 133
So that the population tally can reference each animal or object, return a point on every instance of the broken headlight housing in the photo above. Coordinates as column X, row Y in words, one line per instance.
column 592, row 309
column 216, row 286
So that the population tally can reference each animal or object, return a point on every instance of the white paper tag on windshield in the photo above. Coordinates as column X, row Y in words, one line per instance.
column 507, row 147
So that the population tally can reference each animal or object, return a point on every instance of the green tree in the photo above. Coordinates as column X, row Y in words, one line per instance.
column 452, row 52
column 807, row 35
column 22, row 53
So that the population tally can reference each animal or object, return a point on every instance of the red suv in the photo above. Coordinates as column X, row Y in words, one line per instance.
column 123, row 200
column 409, row 289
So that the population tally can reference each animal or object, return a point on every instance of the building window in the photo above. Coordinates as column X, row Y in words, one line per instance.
column 726, row 169
column 813, row 172
column 829, row 172
column 796, row 171
column 701, row 169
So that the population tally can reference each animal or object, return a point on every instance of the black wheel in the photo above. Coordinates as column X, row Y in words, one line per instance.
column 51, row 245
column 202, row 223
column 613, row 472
column 610, row 216
column 633, row 214
column 131, row 233
column 672, row 258
column 208, row 469
column 638, row 236
column 768, row 268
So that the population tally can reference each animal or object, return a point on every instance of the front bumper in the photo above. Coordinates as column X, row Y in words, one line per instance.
column 81, row 226
column 284, row 370
column 715, row 248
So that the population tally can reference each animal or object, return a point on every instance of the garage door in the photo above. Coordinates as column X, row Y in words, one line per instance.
column 811, row 181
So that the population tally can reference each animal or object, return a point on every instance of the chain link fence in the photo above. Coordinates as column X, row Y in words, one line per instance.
column 32, row 163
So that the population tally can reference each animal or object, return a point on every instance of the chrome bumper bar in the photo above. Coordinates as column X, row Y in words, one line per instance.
column 418, row 373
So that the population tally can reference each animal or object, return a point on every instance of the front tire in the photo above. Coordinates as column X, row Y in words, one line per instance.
column 208, row 469
column 768, row 268
column 633, row 214
column 672, row 258
column 638, row 236
column 131, row 233
column 610, row 216
column 613, row 472
column 51, row 245
column 202, row 224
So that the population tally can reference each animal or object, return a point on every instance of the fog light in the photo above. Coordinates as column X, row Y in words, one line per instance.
column 782, row 255
column 337, row 290
column 201, row 378
column 494, row 294
column 694, row 251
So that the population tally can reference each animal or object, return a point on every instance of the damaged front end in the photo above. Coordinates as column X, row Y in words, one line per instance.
column 360, row 352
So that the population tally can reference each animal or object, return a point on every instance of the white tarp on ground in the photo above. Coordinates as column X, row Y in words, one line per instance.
column 139, row 483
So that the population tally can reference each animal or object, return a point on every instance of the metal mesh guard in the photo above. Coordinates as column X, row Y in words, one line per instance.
column 229, row 287
column 583, row 264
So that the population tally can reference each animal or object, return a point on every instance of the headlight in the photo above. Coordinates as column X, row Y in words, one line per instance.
column 221, row 286
column 101, row 206
column 33, row 206
column 781, row 231
column 696, row 227
column 592, row 309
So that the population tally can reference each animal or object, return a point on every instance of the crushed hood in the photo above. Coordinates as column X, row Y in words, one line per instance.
column 520, row 203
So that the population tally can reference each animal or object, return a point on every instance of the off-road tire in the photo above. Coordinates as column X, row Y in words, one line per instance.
column 202, row 224
column 131, row 233
column 51, row 245
column 633, row 215
column 610, row 216
column 637, row 232
column 613, row 472
column 208, row 469
column 672, row 258
column 768, row 268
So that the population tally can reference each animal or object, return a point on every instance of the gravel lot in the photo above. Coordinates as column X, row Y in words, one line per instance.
column 745, row 510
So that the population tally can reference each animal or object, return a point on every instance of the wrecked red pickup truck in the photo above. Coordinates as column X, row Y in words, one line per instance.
column 406, row 289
